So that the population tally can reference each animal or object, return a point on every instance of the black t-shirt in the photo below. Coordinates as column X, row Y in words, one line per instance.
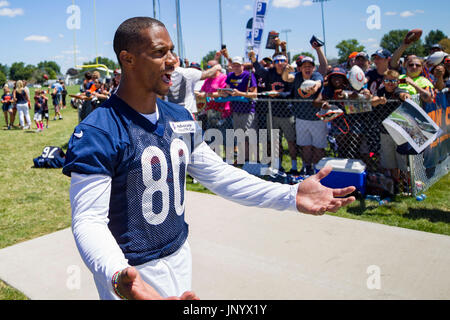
column 274, row 82
column 375, row 81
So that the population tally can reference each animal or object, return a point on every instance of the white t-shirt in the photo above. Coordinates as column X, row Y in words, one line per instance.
column 182, row 90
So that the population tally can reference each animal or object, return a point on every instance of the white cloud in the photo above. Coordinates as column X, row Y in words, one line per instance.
column 8, row 12
column 307, row 3
column 420, row 11
column 406, row 14
column 248, row 7
column 37, row 38
column 390, row 13
column 369, row 40
column 4, row 4
column 286, row 3
column 60, row 35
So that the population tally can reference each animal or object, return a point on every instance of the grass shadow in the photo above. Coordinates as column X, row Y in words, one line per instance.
column 432, row 215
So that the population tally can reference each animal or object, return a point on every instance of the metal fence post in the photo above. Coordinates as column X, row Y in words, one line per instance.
column 273, row 164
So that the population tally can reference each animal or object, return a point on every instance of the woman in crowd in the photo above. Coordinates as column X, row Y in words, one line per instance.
column 414, row 82
column 22, row 101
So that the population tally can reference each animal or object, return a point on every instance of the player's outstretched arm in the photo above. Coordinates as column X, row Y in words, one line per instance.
column 314, row 198
column 131, row 286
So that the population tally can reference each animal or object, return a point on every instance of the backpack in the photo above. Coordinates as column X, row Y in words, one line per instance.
column 51, row 157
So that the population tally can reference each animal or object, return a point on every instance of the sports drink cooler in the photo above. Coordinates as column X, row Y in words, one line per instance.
column 346, row 172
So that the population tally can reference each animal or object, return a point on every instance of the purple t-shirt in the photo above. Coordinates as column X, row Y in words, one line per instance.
column 240, row 83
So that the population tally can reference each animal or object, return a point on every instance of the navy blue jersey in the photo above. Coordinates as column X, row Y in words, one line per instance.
column 147, row 163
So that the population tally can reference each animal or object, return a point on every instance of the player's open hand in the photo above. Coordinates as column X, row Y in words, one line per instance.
column 133, row 287
column 314, row 198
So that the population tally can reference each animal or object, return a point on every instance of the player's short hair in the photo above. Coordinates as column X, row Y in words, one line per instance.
column 128, row 35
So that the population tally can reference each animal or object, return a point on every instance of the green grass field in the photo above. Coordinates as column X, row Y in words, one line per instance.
column 35, row 202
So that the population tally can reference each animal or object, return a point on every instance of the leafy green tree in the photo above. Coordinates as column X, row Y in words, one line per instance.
column 2, row 78
column 50, row 67
column 20, row 71
column 4, row 68
column 433, row 37
column 445, row 43
column 209, row 56
column 394, row 38
column 304, row 53
column 346, row 47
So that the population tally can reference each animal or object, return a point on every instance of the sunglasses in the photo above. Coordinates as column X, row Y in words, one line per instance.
column 279, row 61
column 208, row 67
column 390, row 80
column 411, row 65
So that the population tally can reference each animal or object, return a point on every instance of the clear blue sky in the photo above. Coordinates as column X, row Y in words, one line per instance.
column 35, row 30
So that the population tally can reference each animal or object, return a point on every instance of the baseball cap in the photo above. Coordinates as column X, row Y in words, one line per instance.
column 382, row 53
column 306, row 59
column 336, row 71
column 237, row 60
column 362, row 54
column 436, row 46
column 195, row 65
column 117, row 71
column 299, row 60
column 353, row 54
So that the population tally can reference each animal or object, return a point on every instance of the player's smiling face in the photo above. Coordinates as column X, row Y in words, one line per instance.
column 156, row 62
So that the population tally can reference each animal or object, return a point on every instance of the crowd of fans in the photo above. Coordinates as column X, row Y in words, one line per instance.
column 235, row 95
column 236, row 98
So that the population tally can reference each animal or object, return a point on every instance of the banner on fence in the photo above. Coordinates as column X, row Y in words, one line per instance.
column 440, row 113
column 409, row 123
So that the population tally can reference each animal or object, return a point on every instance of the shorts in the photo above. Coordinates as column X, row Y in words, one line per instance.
column 311, row 133
column 389, row 157
column 7, row 108
column 169, row 276
column 37, row 116
column 46, row 114
column 56, row 101
column 244, row 121
column 286, row 125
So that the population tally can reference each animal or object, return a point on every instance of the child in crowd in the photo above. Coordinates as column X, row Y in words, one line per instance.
column 392, row 161
column 38, row 102
column 45, row 107
column 7, row 106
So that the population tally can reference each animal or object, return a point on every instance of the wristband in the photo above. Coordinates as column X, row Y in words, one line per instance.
column 115, row 285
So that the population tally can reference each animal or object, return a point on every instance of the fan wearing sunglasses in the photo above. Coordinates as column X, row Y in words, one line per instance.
column 414, row 83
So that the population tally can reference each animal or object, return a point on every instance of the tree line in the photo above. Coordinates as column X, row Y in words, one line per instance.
column 34, row 74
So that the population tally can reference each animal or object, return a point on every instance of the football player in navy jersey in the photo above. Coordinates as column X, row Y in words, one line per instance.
column 128, row 160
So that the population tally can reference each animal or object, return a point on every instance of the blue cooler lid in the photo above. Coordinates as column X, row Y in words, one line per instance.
column 342, row 165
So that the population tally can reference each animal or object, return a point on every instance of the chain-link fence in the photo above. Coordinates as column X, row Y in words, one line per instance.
column 296, row 132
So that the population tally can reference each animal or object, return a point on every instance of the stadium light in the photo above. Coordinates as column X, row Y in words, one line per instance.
column 323, row 24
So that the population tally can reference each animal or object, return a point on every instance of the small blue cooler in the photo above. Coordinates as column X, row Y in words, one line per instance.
column 346, row 172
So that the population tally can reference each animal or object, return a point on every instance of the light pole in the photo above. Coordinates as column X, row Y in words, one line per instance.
column 285, row 31
column 179, row 32
column 220, row 31
column 323, row 24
